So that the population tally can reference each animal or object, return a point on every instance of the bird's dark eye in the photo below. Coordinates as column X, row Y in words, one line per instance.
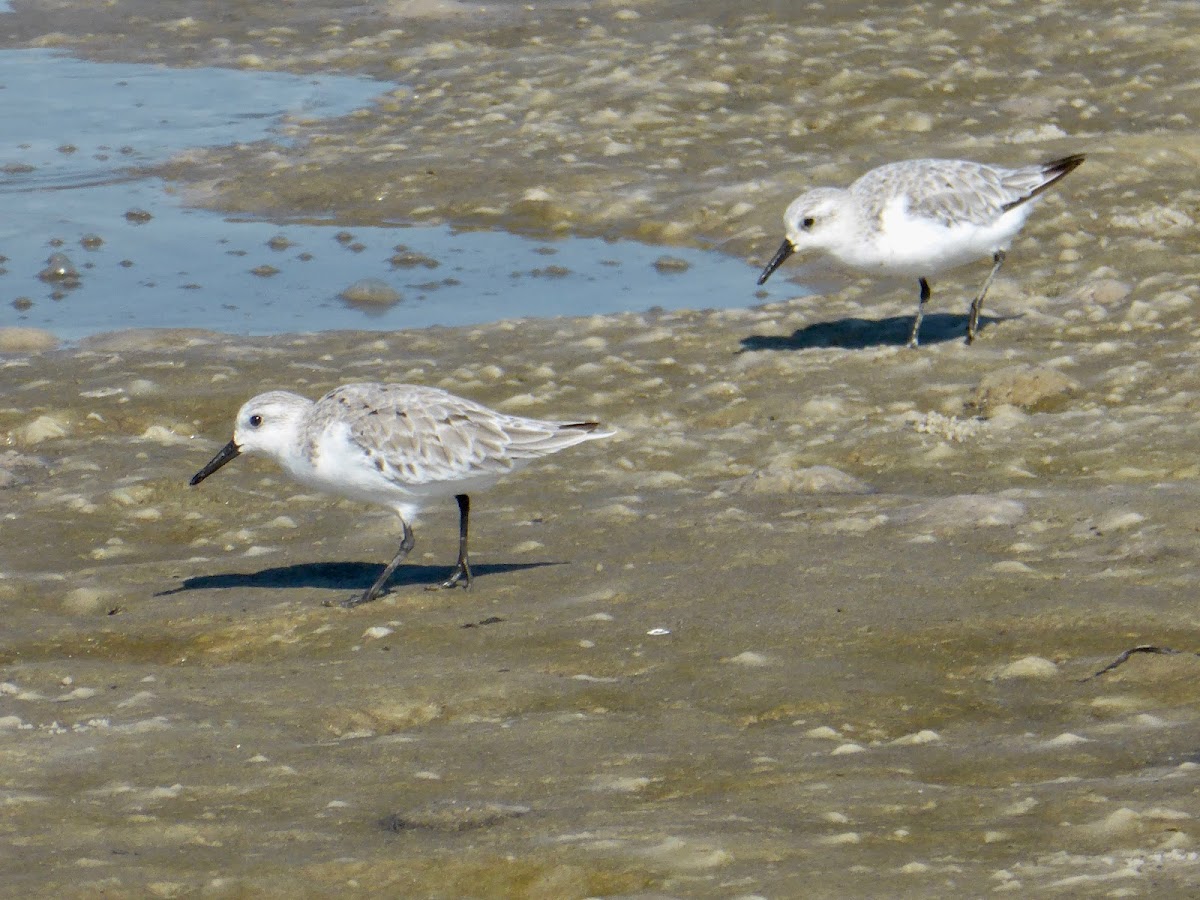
column 255, row 420
column 808, row 223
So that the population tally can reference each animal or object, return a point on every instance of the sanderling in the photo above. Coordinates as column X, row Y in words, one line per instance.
column 395, row 445
column 920, row 217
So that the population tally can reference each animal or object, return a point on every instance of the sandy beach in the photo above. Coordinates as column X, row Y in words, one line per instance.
column 815, row 623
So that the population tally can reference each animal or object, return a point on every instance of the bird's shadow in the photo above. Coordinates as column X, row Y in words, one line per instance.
column 353, row 576
column 856, row 334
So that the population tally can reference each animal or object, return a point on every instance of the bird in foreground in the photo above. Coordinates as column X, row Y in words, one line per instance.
column 395, row 445
column 920, row 217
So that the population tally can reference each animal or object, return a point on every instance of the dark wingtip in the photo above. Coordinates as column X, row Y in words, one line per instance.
column 593, row 429
column 1061, row 167
column 1055, row 171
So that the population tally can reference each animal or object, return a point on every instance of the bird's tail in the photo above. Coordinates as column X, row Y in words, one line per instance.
column 586, row 430
column 1048, row 174
column 531, row 438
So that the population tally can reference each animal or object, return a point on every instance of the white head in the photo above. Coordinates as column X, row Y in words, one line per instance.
column 811, row 220
column 267, row 424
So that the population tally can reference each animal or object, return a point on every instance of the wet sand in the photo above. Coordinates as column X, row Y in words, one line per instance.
column 812, row 624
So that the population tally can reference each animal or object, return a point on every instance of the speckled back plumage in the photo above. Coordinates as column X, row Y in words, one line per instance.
column 956, row 191
column 414, row 434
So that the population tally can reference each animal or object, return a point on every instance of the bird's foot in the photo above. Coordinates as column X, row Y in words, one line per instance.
column 462, row 572
column 351, row 602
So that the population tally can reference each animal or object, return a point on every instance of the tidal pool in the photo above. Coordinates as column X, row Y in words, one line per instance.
column 73, row 172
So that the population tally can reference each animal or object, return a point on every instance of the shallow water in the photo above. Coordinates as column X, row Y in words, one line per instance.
column 72, row 122
column 82, row 136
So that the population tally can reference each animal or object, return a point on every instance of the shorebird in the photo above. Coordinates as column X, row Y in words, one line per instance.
column 920, row 217
column 395, row 445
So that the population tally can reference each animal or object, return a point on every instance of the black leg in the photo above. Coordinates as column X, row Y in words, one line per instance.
column 407, row 542
column 977, row 306
column 463, row 569
column 925, row 292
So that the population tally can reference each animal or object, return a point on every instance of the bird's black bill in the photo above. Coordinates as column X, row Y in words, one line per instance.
column 785, row 250
column 228, row 452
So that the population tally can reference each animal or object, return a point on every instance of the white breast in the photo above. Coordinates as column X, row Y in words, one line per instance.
column 912, row 245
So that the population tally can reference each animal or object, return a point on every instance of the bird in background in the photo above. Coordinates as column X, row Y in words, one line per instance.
column 920, row 217
column 397, row 446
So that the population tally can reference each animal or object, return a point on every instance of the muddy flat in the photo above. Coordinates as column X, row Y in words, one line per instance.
column 818, row 621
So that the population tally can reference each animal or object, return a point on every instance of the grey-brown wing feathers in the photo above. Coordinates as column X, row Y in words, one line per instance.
column 954, row 192
column 420, row 434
